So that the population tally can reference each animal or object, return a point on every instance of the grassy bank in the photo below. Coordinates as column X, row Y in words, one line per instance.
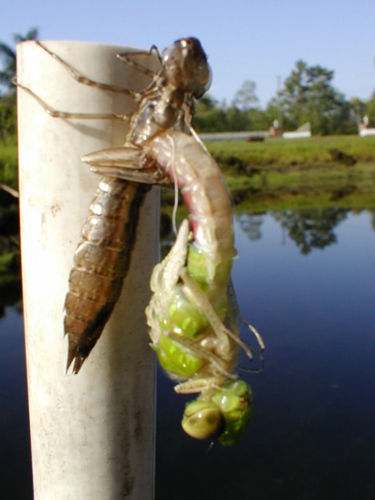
column 287, row 153
column 300, row 173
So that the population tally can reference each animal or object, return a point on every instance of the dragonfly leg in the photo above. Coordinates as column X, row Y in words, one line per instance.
column 126, row 57
column 83, row 79
column 217, row 364
column 195, row 294
column 67, row 114
column 199, row 385
column 236, row 313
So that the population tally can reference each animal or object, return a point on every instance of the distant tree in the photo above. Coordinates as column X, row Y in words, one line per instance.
column 8, row 118
column 207, row 102
column 236, row 119
column 223, row 105
column 208, row 117
column 259, row 119
column 245, row 98
column 308, row 96
column 370, row 109
column 357, row 108
column 273, row 112
column 8, row 56
column 343, row 120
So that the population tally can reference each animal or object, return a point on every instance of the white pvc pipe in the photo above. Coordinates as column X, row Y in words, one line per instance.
column 92, row 434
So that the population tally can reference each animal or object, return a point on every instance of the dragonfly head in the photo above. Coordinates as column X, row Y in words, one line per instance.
column 224, row 416
column 185, row 66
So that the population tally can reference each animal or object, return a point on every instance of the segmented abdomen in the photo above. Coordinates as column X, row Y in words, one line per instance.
column 101, row 262
column 205, row 194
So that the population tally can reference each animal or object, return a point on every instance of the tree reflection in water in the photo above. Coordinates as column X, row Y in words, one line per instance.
column 250, row 225
column 311, row 228
column 372, row 213
column 10, row 279
column 308, row 228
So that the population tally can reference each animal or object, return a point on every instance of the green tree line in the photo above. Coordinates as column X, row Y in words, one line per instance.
column 8, row 115
column 307, row 95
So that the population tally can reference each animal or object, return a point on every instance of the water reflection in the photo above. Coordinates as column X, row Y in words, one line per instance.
column 309, row 229
column 10, row 279
column 15, row 458
column 251, row 225
column 372, row 214
column 10, row 293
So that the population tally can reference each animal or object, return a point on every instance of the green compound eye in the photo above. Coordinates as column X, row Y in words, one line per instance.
column 201, row 419
column 228, row 411
column 235, row 403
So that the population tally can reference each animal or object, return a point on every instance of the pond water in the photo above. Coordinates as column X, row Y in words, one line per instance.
column 306, row 281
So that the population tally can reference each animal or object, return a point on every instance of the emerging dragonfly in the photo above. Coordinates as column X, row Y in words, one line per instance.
column 191, row 307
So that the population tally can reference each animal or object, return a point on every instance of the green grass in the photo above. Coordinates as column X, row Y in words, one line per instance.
column 8, row 164
column 299, row 173
column 287, row 153
column 332, row 175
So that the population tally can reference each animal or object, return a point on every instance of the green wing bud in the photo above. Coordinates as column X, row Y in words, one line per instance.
column 207, row 271
column 175, row 359
column 185, row 315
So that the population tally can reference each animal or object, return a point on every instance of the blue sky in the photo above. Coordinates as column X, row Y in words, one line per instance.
column 244, row 39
